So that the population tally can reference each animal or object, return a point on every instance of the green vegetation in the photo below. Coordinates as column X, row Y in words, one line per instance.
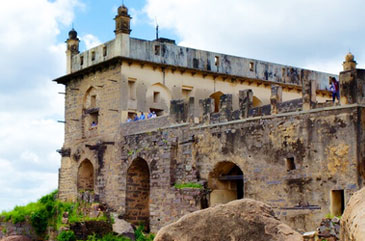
column 48, row 211
column 188, row 185
column 66, row 236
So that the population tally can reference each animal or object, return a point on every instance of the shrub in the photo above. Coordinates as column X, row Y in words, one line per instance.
column 188, row 185
column 66, row 236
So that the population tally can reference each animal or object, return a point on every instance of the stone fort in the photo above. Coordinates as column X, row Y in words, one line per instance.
column 239, row 127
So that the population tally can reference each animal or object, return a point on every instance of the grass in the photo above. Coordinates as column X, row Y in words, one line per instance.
column 188, row 185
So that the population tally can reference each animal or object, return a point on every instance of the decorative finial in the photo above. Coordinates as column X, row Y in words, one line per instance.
column 156, row 28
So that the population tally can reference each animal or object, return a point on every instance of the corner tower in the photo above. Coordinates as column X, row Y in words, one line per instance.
column 72, row 49
column 122, row 31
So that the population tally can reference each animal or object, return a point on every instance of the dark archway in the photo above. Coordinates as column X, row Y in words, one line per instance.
column 226, row 183
column 138, row 193
column 85, row 176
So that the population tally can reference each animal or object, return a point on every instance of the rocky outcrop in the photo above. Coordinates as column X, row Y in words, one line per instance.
column 16, row 238
column 123, row 228
column 353, row 219
column 240, row 220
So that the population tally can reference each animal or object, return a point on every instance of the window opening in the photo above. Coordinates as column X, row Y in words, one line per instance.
column 81, row 60
column 216, row 60
column 105, row 51
column 159, row 112
column 132, row 89
column 195, row 63
column 290, row 164
column 157, row 49
column 93, row 55
column 252, row 66
column 156, row 97
column 337, row 202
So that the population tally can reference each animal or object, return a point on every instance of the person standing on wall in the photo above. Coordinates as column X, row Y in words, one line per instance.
column 335, row 88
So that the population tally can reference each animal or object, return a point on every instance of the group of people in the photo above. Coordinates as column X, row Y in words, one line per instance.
column 142, row 116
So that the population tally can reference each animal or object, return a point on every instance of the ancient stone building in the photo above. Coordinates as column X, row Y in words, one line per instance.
column 240, row 127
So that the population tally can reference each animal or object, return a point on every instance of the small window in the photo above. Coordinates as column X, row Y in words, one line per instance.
column 105, row 51
column 81, row 60
column 216, row 60
column 195, row 63
column 94, row 120
column 337, row 202
column 92, row 55
column 290, row 164
column 93, row 101
column 156, row 97
column 132, row 89
column 252, row 65
column 283, row 72
column 157, row 49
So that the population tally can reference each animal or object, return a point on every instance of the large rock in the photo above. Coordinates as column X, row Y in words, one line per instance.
column 16, row 238
column 353, row 219
column 123, row 228
column 240, row 220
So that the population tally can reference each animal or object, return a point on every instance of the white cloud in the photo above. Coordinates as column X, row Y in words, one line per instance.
column 29, row 133
column 300, row 33
column 90, row 41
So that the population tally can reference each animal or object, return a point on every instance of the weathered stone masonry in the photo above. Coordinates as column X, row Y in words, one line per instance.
column 268, row 132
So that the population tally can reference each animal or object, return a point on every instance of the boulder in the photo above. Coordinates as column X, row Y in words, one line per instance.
column 353, row 219
column 16, row 238
column 123, row 228
column 240, row 220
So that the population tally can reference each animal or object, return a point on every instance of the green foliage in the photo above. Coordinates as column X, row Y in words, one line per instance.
column 66, row 236
column 188, row 185
column 4, row 230
column 39, row 220
column 140, row 236
column 108, row 237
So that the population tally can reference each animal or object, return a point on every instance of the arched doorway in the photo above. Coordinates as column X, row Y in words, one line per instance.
column 85, row 176
column 217, row 99
column 226, row 183
column 138, row 193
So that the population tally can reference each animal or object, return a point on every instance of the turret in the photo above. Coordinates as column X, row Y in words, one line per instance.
column 349, row 63
column 122, row 31
column 72, row 49
column 122, row 21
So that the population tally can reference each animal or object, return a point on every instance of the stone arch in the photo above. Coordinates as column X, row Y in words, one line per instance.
column 90, row 111
column 217, row 99
column 85, row 176
column 138, row 193
column 226, row 183
column 256, row 102
column 158, row 96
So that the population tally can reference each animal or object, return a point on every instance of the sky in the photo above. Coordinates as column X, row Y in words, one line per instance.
column 314, row 34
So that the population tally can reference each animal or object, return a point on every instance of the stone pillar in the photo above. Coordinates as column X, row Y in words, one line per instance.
column 191, row 110
column 206, row 107
column 245, row 102
column 225, row 108
column 352, row 86
column 276, row 98
column 178, row 110
column 309, row 88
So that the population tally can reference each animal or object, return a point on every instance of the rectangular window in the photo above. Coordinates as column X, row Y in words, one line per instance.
column 105, row 51
column 92, row 55
column 195, row 63
column 252, row 65
column 156, row 97
column 216, row 60
column 337, row 202
column 157, row 49
column 290, row 164
column 81, row 60
column 132, row 89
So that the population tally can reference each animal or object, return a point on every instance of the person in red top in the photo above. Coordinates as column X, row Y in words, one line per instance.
column 335, row 88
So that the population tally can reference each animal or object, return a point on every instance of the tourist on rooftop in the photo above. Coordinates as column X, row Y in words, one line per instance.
column 335, row 88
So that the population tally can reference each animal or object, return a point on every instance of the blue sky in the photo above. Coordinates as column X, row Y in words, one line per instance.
column 314, row 34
